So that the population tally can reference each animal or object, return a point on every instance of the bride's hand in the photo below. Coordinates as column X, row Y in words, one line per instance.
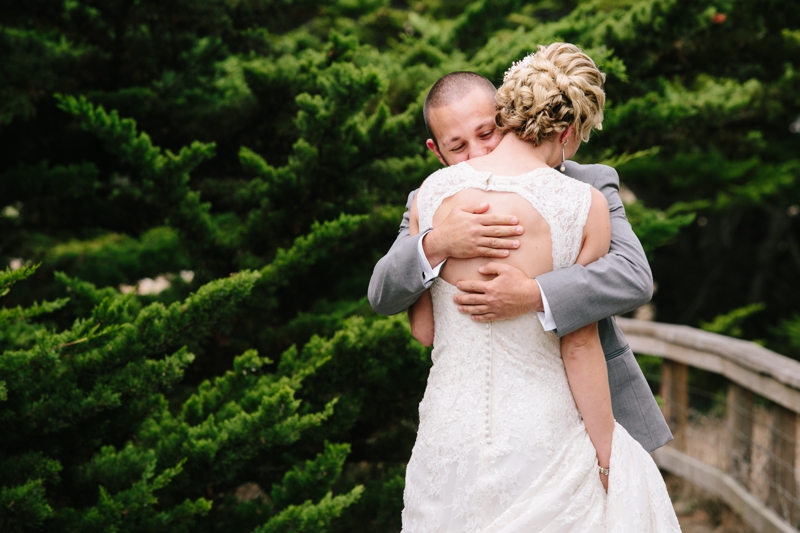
column 604, row 480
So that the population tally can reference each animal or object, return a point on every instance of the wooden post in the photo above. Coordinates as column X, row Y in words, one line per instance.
column 740, row 432
column 675, row 392
column 782, row 486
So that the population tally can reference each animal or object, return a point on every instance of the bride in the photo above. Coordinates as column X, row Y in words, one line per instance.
column 516, row 431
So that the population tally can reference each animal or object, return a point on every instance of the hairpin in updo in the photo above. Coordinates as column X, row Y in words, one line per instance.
column 515, row 66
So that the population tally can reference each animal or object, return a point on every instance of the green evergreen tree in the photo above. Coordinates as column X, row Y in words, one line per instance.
column 92, row 444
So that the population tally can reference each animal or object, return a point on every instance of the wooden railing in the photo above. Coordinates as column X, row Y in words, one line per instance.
column 745, row 453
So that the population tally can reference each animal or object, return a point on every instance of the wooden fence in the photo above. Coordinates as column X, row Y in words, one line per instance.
column 746, row 453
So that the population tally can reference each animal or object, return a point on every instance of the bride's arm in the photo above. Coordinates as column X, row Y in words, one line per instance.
column 420, row 314
column 582, row 352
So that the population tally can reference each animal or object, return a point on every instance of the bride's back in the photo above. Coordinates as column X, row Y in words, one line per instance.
column 535, row 253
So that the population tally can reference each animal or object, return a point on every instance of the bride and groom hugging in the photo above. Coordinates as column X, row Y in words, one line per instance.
column 516, row 424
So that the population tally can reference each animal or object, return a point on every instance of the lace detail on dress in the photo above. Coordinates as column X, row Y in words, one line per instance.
column 501, row 446
column 562, row 201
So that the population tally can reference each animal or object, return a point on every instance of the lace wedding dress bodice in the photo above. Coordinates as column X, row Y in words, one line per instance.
column 563, row 202
column 501, row 446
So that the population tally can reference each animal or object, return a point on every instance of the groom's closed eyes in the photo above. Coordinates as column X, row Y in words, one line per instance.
column 484, row 132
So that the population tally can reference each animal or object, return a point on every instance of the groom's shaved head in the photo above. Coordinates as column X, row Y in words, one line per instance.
column 452, row 88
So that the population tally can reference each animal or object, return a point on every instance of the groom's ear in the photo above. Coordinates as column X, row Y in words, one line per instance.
column 431, row 144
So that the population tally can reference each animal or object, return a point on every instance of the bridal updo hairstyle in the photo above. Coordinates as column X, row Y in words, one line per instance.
column 547, row 92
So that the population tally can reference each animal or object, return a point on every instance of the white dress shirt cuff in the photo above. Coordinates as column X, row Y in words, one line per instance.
column 428, row 274
column 546, row 317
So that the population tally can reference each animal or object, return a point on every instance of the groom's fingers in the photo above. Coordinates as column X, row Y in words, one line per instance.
column 474, row 309
column 497, row 250
column 499, row 232
column 469, row 286
column 496, row 230
column 498, row 246
column 472, row 303
column 474, row 208
column 496, row 269
column 475, row 304
column 500, row 220
column 485, row 317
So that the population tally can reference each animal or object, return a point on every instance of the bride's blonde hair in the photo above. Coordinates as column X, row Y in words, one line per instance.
column 549, row 91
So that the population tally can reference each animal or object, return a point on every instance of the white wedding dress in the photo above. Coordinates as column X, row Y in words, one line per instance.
column 501, row 445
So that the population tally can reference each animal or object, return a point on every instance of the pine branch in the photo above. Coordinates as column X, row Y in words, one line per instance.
column 163, row 175
column 9, row 277
column 307, row 250
column 309, row 517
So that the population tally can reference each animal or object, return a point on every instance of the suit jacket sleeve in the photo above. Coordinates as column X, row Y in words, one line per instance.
column 396, row 280
column 617, row 283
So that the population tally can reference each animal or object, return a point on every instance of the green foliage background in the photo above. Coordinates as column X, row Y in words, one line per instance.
column 268, row 146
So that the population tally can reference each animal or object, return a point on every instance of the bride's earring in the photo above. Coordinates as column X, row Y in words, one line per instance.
column 563, row 158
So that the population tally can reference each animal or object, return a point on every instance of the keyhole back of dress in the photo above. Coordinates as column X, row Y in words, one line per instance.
column 535, row 253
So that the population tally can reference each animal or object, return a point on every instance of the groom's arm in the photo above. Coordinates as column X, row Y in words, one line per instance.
column 397, row 279
column 413, row 262
column 617, row 283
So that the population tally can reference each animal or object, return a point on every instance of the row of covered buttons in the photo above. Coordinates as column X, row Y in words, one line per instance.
column 488, row 383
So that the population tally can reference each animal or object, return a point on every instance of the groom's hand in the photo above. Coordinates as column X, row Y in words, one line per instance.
column 510, row 294
column 468, row 232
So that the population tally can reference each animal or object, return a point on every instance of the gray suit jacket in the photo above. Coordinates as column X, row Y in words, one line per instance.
column 615, row 284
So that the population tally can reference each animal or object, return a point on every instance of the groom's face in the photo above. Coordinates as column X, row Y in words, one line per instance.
column 463, row 129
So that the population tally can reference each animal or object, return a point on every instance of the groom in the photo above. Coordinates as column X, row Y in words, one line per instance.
column 459, row 113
